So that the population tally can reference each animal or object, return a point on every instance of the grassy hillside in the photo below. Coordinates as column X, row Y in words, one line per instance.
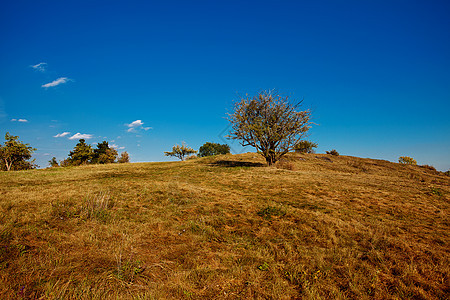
column 318, row 226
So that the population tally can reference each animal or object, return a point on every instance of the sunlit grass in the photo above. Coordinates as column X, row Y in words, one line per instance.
column 314, row 226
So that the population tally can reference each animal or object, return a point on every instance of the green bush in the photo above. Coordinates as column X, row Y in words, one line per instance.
column 406, row 160
column 333, row 152
column 209, row 149
column 305, row 147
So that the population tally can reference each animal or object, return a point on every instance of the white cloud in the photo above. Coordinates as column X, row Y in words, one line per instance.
column 56, row 82
column 62, row 134
column 81, row 136
column 117, row 147
column 19, row 120
column 41, row 67
column 138, row 124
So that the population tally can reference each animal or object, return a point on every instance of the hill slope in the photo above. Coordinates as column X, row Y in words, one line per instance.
column 226, row 227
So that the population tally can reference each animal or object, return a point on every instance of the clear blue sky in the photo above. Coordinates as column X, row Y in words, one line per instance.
column 376, row 74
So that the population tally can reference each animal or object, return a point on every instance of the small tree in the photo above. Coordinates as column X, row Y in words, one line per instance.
column 305, row 147
column 180, row 151
column 270, row 123
column 209, row 149
column 124, row 158
column 406, row 160
column 14, row 154
column 53, row 162
column 81, row 154
column 104, row 154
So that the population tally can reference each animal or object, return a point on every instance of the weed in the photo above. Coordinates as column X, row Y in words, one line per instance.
column 270, row 211
column 435, row 191
column 264, row 266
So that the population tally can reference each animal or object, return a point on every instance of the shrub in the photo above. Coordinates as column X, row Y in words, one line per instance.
column 209, row 149
column 305, row 147
column 333, row 152
column 124, row 158
column 406, row 160
column 447, row 173
column 53, row 162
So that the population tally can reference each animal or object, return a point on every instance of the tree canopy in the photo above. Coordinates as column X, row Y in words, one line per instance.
column 14, row 154
column 209, row 149
column 270, row 123
column 83, row 153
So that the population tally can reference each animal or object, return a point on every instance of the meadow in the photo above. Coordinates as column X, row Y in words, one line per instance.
column 314, row 226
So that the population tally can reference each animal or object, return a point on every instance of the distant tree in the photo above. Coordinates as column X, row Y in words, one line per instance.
column 81, row 154
column 305, row 146
column 14, row 154
column 104, row 154
column 209, row 149
column 53, row 162
column 270, row 123
column 124, row 158
column 333, row 152
column 180, row 151
column 406, row 160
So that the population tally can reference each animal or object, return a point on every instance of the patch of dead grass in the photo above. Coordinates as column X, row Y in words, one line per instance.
column 226, row 227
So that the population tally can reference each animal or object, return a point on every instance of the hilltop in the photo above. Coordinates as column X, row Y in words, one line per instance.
column 226, row 227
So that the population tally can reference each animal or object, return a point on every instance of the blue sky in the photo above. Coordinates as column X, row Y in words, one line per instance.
column 376, row 74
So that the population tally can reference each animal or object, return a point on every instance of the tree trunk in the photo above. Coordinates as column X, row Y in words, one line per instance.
column 8, row 166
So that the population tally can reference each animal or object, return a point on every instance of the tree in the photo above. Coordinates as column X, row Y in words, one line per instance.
column 124, row 158
column 81, row 154
column 104, row 154
column 270, row 123
column 53, row 162
column 180, row 151
column 14, row 154
column 305, row 147
column 209, row 149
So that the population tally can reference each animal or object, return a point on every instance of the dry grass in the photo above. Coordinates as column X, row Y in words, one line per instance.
column 313, row 227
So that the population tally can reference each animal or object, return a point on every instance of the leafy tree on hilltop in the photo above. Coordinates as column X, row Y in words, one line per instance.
column 270, row 123
column 81, row 154
column 14, row 154
column 209, row 149
column 180, row 151
column 104, row 154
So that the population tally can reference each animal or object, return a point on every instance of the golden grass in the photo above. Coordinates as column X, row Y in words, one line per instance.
column 312, row 227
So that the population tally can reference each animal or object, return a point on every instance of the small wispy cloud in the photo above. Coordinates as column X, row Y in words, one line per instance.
column 117, row 147
column 19, row 120
column 56, row 82
column 135, row 125
column 62, row 134
column 41, row 67
column 78, row 135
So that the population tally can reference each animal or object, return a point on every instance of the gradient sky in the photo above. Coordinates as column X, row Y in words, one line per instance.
column 145, row 75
